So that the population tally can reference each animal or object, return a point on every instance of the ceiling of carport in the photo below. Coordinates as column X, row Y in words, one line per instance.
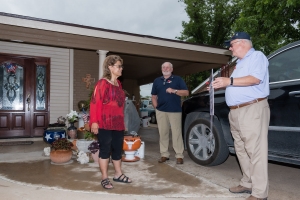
column 146, row 69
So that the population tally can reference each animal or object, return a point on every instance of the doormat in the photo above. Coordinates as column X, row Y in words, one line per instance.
column 16, row 143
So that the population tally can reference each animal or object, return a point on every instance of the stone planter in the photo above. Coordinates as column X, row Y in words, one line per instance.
column 61, row 156
column 83, row 145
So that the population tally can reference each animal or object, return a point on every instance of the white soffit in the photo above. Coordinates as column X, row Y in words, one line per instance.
column 107, row 35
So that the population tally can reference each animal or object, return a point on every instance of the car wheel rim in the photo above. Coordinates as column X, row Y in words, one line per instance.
column 201, row 142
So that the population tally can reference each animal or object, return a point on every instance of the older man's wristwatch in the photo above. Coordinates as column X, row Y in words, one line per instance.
column 175, row 91
column 231, row 80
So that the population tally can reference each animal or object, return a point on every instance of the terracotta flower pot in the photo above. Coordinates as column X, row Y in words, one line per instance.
column 61, row 156
column 74, row 147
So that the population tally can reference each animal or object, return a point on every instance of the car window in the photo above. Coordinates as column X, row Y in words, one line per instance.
column 147, row 102
column 150, row 107
column 285, row 66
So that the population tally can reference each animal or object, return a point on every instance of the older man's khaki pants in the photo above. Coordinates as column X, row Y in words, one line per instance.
column 164, row 121
column 249, row 128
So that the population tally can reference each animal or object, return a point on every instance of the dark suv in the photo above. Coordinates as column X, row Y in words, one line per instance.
column 212, row 148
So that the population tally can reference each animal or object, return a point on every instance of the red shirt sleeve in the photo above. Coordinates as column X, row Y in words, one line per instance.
column 96, row 102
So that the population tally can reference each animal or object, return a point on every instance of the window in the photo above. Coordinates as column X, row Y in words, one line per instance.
column 285, row 66
column 11, row 86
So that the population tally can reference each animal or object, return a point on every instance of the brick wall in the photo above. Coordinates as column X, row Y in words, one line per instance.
column 85, row 62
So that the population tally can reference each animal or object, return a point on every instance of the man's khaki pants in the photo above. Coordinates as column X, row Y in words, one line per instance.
column 249, row 128
column 164, row 121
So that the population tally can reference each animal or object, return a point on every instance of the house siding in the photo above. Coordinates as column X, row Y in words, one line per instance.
column 59, row 73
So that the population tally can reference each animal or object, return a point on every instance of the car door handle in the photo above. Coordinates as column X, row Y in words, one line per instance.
column 294, row 94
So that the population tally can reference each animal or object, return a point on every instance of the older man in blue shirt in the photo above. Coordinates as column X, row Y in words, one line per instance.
column 246, row 95
column 167, row 91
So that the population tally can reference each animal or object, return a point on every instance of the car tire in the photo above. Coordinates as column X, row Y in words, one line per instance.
column 205, row 147
column 153, row 118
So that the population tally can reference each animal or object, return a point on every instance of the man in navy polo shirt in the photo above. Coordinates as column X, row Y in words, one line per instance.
column 167, row 91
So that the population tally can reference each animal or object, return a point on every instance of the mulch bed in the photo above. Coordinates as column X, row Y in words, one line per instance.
column 16, row 143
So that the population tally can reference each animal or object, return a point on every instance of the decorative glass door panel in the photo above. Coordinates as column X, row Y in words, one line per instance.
column 41, row 89
column 11, row 86
column 24, row 96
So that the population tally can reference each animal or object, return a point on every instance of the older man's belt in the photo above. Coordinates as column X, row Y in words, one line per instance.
column 247, row 103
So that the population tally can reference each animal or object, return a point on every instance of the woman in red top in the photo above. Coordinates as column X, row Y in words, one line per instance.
column 107, row 119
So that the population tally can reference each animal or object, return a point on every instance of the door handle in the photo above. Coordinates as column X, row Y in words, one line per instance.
column 294, row 93
column 28, row 101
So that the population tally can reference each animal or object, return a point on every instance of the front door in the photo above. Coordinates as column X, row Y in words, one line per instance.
column 24, row 96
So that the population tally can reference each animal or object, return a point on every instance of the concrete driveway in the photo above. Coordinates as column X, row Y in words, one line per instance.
column 25, row 173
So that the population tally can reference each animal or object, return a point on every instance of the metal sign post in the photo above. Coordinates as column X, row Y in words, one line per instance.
column 211, row 98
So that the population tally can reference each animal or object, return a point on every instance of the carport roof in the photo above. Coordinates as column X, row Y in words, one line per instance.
column 142, row 54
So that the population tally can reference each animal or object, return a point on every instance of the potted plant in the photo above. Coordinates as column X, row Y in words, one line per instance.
column 87, row 141
column 61, row 151
column 94, row 149
column 83, row 144
column 72, row 117
column 89, row 135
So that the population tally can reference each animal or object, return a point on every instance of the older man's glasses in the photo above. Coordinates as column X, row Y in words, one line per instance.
column 119, row 66
column 231, row 44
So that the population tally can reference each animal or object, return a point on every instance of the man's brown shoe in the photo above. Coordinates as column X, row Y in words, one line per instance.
column 179, row 161
column 255, row 198
column 240, row 189
column 163, row 159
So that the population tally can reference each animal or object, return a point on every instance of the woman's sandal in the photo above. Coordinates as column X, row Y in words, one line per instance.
column 122, row 179
column 105, row 183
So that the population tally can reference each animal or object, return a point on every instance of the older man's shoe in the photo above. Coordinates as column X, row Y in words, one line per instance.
column 179, row 161
column 255, row 198
column 240, row 189
column 163, row 159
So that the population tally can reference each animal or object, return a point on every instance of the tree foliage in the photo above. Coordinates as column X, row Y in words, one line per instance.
column 210, row 22
column 271, row 23
column 192, row 81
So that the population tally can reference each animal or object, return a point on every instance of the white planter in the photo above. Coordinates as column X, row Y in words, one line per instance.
column 83, row 145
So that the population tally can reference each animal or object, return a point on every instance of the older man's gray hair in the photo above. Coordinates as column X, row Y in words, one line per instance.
column 170, row 64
